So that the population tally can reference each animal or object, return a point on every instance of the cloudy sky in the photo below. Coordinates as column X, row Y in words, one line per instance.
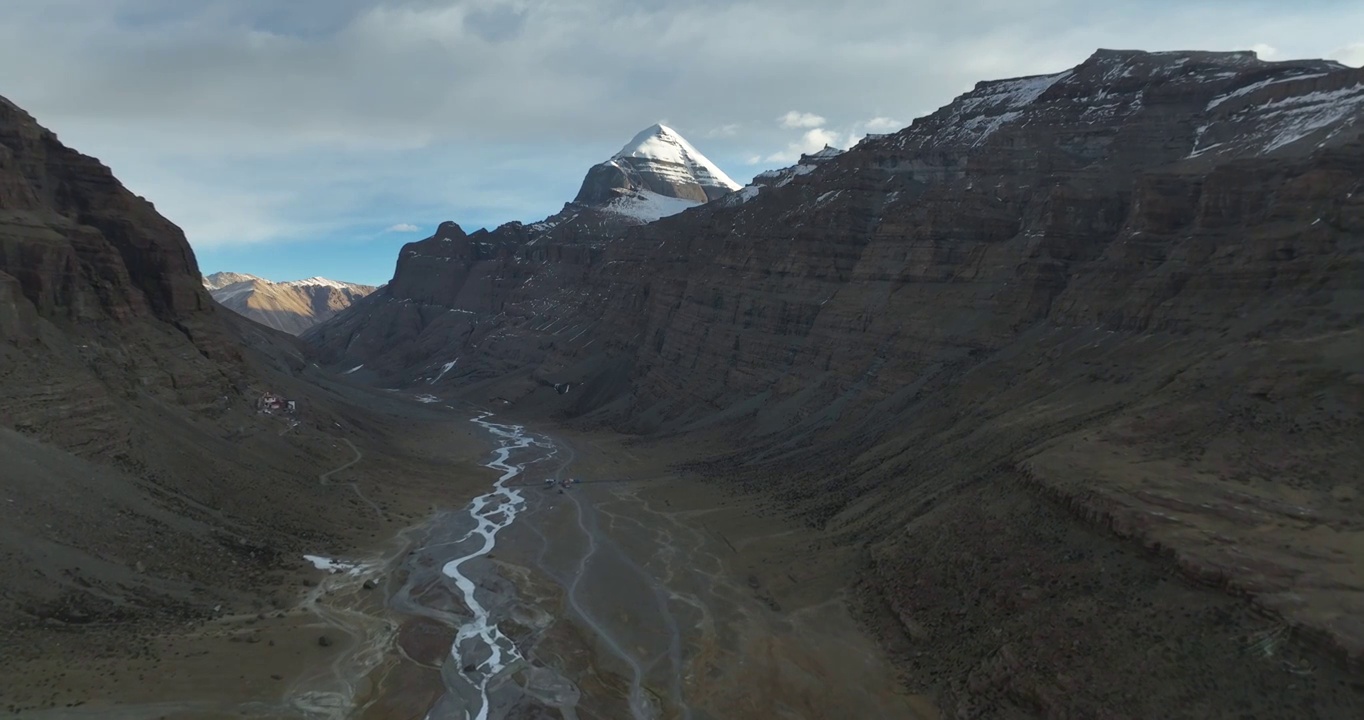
column 302, row 137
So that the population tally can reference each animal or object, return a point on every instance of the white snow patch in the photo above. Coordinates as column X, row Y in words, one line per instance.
column 828, row 153
column 748, row 192
column 444, row 369
column 1277, row 124
column 793, row 172
column 1300, row 116
column 318, row 282
column 325, row 563
column 648, row 206
column 428, row 399
column 662, row 144
column 987, row 125
column 981, row 112
column 357, row 367
column 1256, row 86
column 1013, row 94
column 220, row 280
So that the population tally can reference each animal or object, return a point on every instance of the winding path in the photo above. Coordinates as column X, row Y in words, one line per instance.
column 325, row 478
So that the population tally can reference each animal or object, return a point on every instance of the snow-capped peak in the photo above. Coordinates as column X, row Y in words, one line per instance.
column 318, row 281
column 222, row 279
column 661, row 143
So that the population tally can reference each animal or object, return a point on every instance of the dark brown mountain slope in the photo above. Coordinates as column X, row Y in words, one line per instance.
column 1119, row 301
column 137, row 478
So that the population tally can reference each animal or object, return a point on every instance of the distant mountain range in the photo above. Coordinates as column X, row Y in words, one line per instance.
column 291, row 306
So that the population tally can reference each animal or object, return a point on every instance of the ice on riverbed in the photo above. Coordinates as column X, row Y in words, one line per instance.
column 492, row 512
column 336, row 566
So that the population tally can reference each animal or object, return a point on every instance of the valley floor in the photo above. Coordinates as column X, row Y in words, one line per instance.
column 652, row 594
column 643, row 592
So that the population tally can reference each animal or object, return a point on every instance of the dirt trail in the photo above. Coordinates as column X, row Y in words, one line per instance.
column 325, row 478
column 686, row 633
column 641, row 704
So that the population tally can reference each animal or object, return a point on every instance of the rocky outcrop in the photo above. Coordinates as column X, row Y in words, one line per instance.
column 290, row 307
column 1127, row 291
column 784, row 176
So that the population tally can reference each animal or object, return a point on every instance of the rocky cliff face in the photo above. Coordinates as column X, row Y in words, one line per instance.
column 290, row 307
column 446, row 288
column 81, row 257
column 138, row 481
column 68, row 221
column 1123, row 297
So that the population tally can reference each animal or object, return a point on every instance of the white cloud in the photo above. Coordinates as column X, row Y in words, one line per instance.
column 1352, row 55
column 403, row 228
column 1264, row 52
column 881, row 125
column 817, row 138
column 812, row 141
column 876, row 126
column 480, row 111
column 724, row 131
column 794, row 119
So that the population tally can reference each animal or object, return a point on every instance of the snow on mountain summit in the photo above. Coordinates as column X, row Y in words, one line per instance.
column 219, row 280
column 663, row 145
column 291, row 306
column 658, row 173
column 319, row 281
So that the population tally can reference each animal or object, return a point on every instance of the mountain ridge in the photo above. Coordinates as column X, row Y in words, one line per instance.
column 1016, row 307
column 290, row 306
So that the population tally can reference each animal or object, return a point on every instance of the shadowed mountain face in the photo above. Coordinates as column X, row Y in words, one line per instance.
column 137, row 479
column 451, row 278
column 291, row 307
column 1123, row 299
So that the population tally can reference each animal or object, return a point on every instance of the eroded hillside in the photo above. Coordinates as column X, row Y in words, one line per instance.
column 1121, row 301
column 139, row 479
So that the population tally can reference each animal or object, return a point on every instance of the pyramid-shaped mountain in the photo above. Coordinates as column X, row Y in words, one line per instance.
column 657, row 173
